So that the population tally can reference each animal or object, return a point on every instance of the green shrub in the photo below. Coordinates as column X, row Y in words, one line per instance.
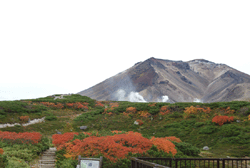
column 229, row 130
column 175, row 115
column 3, row 160
column 187, row 148
column 208, row 129
column 14, row 162
column 19, row 107
column 154, row 111
column 2, row 116
column 199, row 124
column 67, row 163
column 51, row 118
column 173, row 125
column 24, row 154
column 188, row 123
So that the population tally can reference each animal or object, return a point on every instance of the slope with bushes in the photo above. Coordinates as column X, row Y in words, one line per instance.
column 223, row 126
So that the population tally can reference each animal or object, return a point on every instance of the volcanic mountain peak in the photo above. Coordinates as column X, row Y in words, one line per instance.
column 180, row 81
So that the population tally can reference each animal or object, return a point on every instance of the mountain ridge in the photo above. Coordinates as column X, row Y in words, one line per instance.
column 180, row 81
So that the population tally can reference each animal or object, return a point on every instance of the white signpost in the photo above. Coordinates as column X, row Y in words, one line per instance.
column 89, row 162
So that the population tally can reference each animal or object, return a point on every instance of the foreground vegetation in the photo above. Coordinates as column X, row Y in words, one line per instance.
column 183, row 128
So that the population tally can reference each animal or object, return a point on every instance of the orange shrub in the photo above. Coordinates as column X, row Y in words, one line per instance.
column 1, row 151
column 112, row 147
column 164, row 110
column 249, row 117
column 125, row 114
column 53, row 105
column 152, row 105
column 117, row 132
column 144, row 114
column 228, row 111
column 131, row 110
column 24, row 118
column 220, row 120
column 164, row 144
column 117, row 146
column 191, row 110
column 140, row 122
column 173, row 138
column 99, row 104
column 78, row 105
column 114, row 105
column 206, row 110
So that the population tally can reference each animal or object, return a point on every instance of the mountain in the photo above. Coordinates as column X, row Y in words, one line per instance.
column 174, row 81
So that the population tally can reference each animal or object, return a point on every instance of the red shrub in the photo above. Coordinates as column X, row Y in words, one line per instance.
column 25, row 137
column 117, row 146
column 220, row 120
column 61, row 139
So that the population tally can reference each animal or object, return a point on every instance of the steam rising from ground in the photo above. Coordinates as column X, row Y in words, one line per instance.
column 132, row 96
column 121, row 95
column 165, row 98
column 197, row 100
column 135, row 97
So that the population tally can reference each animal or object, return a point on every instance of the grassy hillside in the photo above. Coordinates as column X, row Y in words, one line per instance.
column 223, row 126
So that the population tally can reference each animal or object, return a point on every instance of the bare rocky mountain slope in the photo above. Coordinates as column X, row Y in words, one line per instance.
column 180, row 81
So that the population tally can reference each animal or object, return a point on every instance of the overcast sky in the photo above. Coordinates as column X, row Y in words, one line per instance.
column 57, row 46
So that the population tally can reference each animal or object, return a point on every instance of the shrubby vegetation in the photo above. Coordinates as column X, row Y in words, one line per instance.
column 223, row 126
column 117, row 147
column 21, row 148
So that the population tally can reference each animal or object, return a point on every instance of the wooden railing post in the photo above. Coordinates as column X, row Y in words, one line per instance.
column 218, row 163
column 223, row 163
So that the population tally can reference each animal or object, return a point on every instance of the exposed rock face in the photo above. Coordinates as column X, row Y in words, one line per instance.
column 180, row 81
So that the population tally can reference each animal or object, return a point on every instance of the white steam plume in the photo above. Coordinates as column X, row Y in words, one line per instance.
column 132, row 96
column 120, row 94
column 165, row 98
column 197, row 100
column 135, row 97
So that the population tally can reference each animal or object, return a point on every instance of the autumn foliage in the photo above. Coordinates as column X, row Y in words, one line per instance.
column 173, row 138
column 131, row 110
column 164, row 110
column 228, row 111
column 116, row 132
column 78, row 105
column 61, row 139
column 144, row 114
column 99, row 104
column 24, row 118
column 1, row 151
column 140, row 122
column 195, row 110
column 53, row 105
column 25, row 137
column 220, row 120
column 164, row 144
column 112, row 147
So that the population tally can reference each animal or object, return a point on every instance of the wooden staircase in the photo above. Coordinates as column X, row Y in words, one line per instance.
column 48, row 159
